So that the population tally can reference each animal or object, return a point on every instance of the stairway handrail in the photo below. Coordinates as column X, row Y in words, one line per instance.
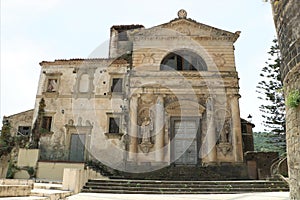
column 274, row 169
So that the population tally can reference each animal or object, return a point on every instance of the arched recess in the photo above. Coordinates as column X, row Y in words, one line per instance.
column 183, row 60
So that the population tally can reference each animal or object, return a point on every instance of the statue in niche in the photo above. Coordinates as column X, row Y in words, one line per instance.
column 210, row 107
column 225, row 134
column 145, row 132
column 224, row 144
column 52, row 85
column 146, row 128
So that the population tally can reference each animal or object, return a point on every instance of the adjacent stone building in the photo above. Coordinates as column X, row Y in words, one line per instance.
column 287, row 21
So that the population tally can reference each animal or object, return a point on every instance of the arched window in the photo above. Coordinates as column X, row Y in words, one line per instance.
column 183, row 60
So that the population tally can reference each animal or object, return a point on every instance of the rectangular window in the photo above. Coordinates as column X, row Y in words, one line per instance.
column 46, row 123
column 244, row 128
column 24, row 130
column 117, row 85
column 114, row 125
column 122, row 36
column 52, row 85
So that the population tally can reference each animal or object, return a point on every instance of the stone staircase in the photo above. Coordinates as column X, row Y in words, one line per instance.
column 50, row 191
column 183, row 187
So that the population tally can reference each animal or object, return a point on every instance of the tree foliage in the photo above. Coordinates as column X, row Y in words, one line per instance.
column 37, row 127
column 269, row 142
column 270, row 90
column 6, row 140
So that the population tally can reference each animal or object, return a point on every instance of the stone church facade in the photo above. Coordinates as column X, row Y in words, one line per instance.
column 166, row 95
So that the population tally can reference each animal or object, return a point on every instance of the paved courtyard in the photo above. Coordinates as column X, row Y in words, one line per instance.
column 255, row 196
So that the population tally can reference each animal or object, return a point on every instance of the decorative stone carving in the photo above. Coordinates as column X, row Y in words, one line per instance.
column 219, row 59
column 182, row 14
column 224, row 131
column 148, row 58
column 170, row 99
column 224, row 148
column 183, row 30
column 147, row 99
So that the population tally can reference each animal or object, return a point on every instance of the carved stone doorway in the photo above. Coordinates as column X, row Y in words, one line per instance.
column 185, row 134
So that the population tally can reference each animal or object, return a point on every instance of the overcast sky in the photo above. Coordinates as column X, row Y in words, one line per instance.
column 44, row 30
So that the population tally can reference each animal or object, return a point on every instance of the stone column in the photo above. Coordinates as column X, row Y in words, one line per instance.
column 236, row 129
column 133, row 130
column 159, row 129
column 211, row 132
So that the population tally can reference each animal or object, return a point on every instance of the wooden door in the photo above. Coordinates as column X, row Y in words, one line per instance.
column 77, row 147
column 185, row 142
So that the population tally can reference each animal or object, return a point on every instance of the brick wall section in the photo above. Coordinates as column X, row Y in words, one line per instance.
column 287, row 22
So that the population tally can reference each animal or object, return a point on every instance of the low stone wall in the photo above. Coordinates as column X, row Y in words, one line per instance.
column 75, row 179
column 15, row 187
column 14, row 190
column 259, row 163
column 16, row 182
column 54, row 170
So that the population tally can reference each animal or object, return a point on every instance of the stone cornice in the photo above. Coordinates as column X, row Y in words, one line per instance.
column 170, row 38
column 203, row 74
column 216, row 33
column 81, row 61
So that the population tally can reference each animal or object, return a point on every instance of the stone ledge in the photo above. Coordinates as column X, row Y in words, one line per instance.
column 15, row 190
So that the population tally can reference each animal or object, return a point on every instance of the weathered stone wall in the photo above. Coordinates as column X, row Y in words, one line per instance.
column 16, row 120
column 263, row 162
column 20, row 119
column 287, row 22
column 79, row 106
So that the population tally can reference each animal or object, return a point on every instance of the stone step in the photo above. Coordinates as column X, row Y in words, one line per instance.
column 186, row 185
column 213, row 191
column 101, row 181
column 186, row 188
column 26, row 198
column 52, row 194
column 49, row 186
column 182, row 187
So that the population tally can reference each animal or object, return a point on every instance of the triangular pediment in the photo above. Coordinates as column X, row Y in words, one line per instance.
column 185, row 27
column 193, row 28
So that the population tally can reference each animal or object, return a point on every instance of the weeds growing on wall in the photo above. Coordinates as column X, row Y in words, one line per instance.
column 293, row 99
